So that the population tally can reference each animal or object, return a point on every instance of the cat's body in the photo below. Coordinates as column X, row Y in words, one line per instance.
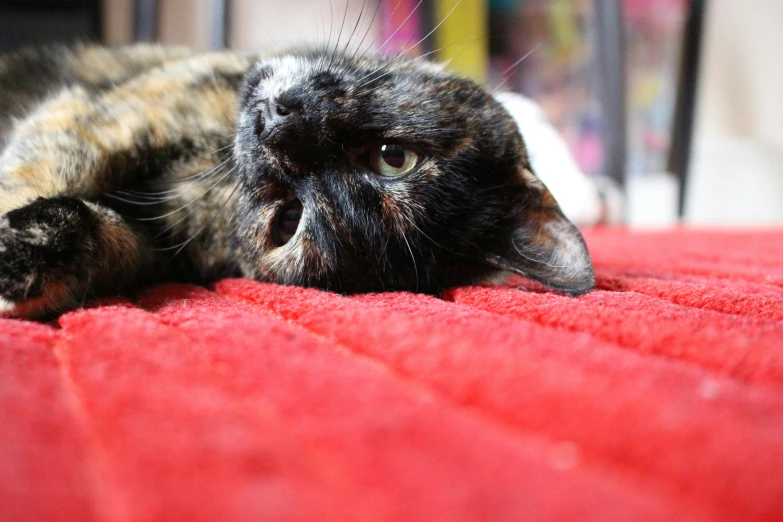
column 141, row 164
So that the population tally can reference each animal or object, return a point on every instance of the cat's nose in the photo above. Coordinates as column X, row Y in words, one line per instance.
column 279, row 124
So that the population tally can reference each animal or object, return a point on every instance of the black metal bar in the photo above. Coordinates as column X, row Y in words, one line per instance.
column 219, row 23
column 610, row 46
column 685, row 104
column 147, row 15
column 97, row 21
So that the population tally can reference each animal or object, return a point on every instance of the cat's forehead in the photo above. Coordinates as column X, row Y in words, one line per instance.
column 283, row 72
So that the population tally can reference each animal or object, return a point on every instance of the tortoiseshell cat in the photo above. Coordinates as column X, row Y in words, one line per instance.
column 140, row 164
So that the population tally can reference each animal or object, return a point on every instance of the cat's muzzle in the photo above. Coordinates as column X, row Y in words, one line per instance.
column 283, row 131
column 279, row 126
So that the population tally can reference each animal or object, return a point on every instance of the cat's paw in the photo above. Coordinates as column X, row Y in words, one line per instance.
column 21, row 262
column 38, row 246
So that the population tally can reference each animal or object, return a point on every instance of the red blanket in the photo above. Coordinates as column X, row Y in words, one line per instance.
column 658, row 396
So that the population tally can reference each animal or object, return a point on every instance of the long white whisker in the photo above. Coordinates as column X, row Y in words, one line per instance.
column 413, row 258
column 201, row 204
column 203, row 177
column 380, row 33
column 356, row 26
column 337, row 43
column 504, row 73
column 383, row 46
column 329, row 40
column 535, row 260
column 193, row 200
column 400, row 66
column 206, row 223
column 369, row 27
column 428, row 34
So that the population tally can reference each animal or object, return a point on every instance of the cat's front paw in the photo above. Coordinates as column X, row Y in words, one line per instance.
column 37, row 251
column 21, row 263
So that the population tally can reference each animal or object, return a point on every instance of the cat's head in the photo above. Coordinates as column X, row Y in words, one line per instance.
column 390, row 175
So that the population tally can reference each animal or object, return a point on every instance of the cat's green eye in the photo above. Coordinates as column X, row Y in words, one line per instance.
column 393, row 160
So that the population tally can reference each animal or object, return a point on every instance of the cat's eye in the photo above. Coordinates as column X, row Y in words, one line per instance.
column 392, row 160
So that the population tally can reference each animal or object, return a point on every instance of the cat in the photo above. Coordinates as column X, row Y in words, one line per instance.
column 140, row 164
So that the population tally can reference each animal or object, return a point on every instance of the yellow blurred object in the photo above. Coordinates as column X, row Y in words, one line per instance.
column 463, row 36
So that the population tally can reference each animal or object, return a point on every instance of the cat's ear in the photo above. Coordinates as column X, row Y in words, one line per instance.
column 542, row 244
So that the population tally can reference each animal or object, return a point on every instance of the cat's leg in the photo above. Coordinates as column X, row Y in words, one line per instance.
column 56, row 252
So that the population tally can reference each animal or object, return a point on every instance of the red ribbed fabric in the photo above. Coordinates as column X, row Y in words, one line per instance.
column 659, row 396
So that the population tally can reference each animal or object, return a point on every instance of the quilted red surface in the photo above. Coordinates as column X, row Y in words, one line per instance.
column 657, row 397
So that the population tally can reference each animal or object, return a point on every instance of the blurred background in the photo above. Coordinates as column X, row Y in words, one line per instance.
column 678, row 101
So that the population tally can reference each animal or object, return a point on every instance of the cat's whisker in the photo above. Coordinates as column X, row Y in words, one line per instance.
column 390, row 61
column 385, row 25
column 155, row 218
column 402, row 24
column 323, row 26
column 323, row 47
column 339, row 36
column 115, row 197
column 423, row 39
column 533, row 260
column 201, row 205
column 355, row 27
column 404, row 64
column 461, row 41
column 204, row 206
column 515, row 64
column 203, row 177
column 199, row 176
column 328, row 43
column 371, row 80
column 413, row 258
column 223, row 148
column 181, row 246
column 369, row 27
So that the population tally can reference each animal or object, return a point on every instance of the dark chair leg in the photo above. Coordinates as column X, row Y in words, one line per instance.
column 685, row 105
column 147, row 14
column 97, row 21
column 610, row 46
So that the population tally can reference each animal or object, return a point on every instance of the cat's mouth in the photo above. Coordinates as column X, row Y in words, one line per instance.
column 286, row 222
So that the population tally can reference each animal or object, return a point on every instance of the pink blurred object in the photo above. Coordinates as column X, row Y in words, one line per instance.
column 401, row 26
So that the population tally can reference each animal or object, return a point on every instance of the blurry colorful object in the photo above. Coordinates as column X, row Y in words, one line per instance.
column 401, row 27
column 561, row 74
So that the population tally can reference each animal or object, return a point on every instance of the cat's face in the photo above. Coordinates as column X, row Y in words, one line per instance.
column 389, row 175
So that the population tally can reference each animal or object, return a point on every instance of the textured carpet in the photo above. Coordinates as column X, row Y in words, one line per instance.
column 657, row 397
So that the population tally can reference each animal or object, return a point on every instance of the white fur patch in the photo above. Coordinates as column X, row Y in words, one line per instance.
column 7, row 307
column 288, row 71
column 575, row 192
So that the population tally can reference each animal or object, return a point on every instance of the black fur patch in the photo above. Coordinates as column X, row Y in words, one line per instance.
column 45, row 241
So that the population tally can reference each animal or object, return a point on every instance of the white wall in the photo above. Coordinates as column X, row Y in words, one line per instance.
column 737, row 167
column 255, row 24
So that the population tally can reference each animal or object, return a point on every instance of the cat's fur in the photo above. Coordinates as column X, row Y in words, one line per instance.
column 144, row 163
